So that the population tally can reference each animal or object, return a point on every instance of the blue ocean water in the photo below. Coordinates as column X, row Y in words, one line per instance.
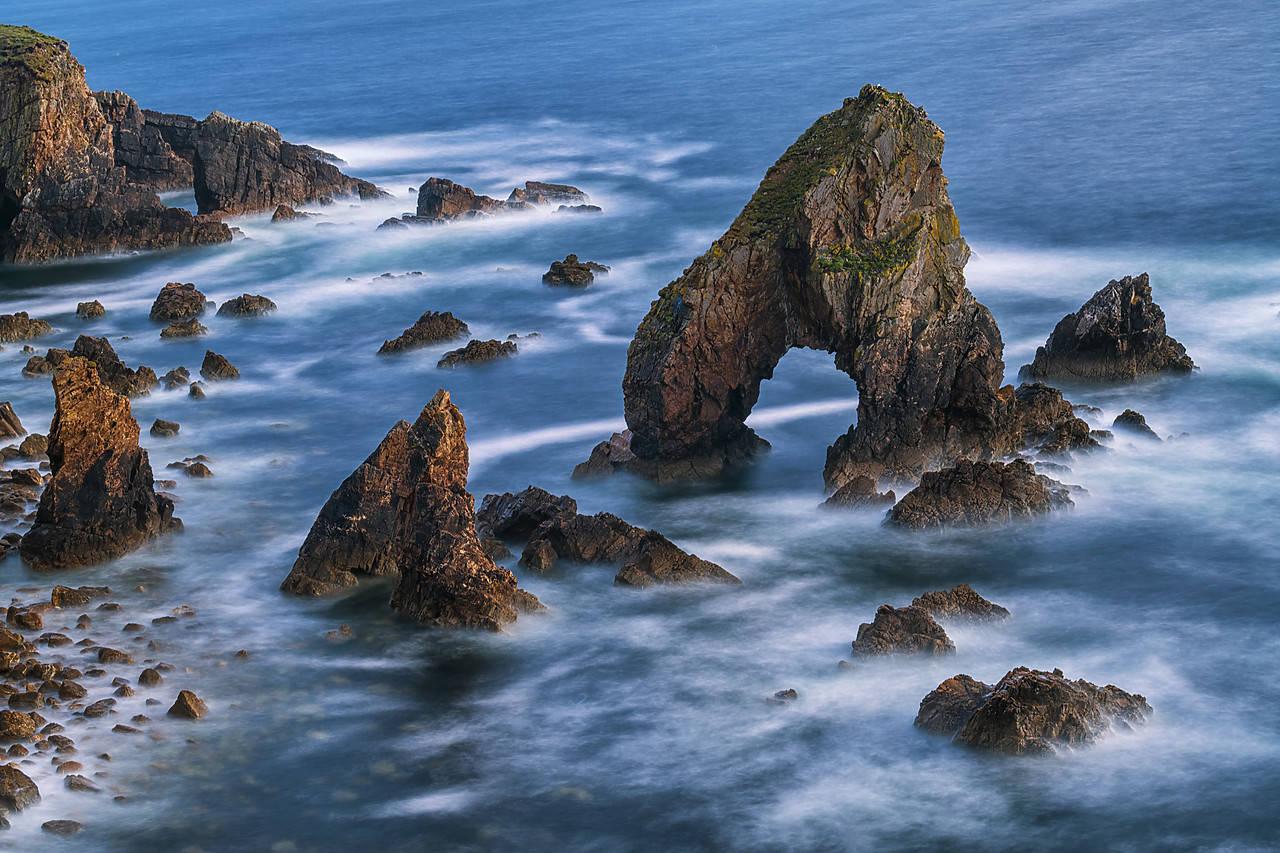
column 1085, row 141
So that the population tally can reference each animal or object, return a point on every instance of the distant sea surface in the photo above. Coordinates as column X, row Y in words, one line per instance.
column 1086, row 141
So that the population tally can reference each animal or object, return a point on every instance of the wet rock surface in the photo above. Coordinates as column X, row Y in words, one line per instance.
column 19, row 326
column 1031, row 711
column 246, row 305
column 100, row 502
column 516, row 516
column 960, row 604
column 573, row 272
column 183, row 329
column 432, row 327
column 476, row 352
column 164, row 429
column 114, row 373
column 216, row 368
column 949, row 706
column 178, row 301
column 442, row 200
column 90, row 310
column 907, row 630
column 974, row 494
column 1118, row 334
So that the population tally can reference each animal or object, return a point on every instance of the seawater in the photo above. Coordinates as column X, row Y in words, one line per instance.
column 1086, row 141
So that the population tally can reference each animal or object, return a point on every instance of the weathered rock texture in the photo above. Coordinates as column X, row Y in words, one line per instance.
column 131, row 382
column 216, row 368
column 477, row 351
column 960, row 604
column 646, row 556
column 1030, row 712
column 184, row 329
column 10, row 426
column 946, row 709
column 901, row 631
column 1118, row 334
column 973, row 494
column 574, row 272
column 101, row 501
column 432, row 327
column 516, row 516
column 407, row 510
column 63, row 193
column 140, row 147
column 442, row 200
column 246, row 305
column 19, row 326
column 1135, row 423
column 90, row 310
column 860, row 493
column 178, row 301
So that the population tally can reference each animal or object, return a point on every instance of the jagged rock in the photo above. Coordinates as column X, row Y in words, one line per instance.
column 285, row 213
column 131, row 382
column 183, row 329
column 246, row 305
column 15, row 725
column 140, row 147
column 901, row 631
column 1135, row 423
column 100, row 502
column 10, row 426
column 176, row 378
column 972, row 494
column 850, row 245
column 431, row 328
column 188, row 706
column 859, row 493
column 538, row 192
column 216, row 368
column 406, row 510
column 946, row 709
column 18, row 326
column 440, row 199
column 579, row 208
column 1118, row 334
column 34, row 446
column 197, row 470
column 516, row 516
column 477, row 351
column 17, row 791
column 646, row 556
column 960, row 604
column 63, row 193
column 573, row 272
column 1030, row 711
column 607, row 457
column 393, row 222
column 178, row 301
column 783, row 697
column 1069, row 436
column 196, row 391
column 90, row 310
column 164, row 429
column 494, row 549
column 245, row 166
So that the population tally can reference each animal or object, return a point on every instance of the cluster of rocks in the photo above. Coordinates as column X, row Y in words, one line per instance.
column 113, row 373
column 975, row 494
column 914, row 629
column 572, row 271
column 556, row 533
column 442, row 200
column 478, row 351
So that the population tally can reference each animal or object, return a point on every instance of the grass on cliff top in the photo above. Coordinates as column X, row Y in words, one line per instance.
column 24, row 47
column 821, row 148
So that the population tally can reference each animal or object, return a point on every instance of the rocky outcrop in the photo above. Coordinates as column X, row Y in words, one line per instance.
column 1133, row 422
column 442, row 200
column 972, row 494
column 1030, row 712
column 140, row 147
column 947, row 708
column 241, row 167
column 19, row 327
column 285, row 213
column 606, row 457
column 433, row 327
column 100, row 502
column 860, row 493
column 17, row 790
column 850, row 245
column 111, row 370
column 516, row 516
column 407, row 510
column 63, row 194
column 216, row 368
column 901, row 631
column 10, row 426
column 1118, row 334
column 960, row 604
column 477, row 351
column 183, row 329
column 646, row 556
column 246, row 305
column 178, row 301
column 90, row 310
column 572, row 271
column 538, row 192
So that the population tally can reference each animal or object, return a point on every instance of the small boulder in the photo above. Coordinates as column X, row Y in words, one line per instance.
column 164, row 429
column 246, row 305
column 573, row 272
column 15, row 725
column 1134, row 423
column 198, row 470
column 34, row 446
column 20, row 327
column 183, row 329
column 285, row 213
column 62, row 827
column 974, row 494
column 196, row 391
column 176, row 378
column 177, row 301
column 17, row 791
column 960, row 604
column 216, row 368
column 477, row 351
column 432, row 327
column 189, row 706
column 90, row 310
column 902, row 630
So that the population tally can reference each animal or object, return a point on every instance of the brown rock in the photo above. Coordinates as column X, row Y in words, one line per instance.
column 177, row 301
column 76, row 782
column 945, row 710
column 198, row 470
column 111, row 370
column 477, row 351
column 106, row 655
column 90, row 310
column 1118, row 334
column 515, row 516
column 285, row 213
column 19, row 326
column 960, row 604
column 440, row 199
column 17, row 791
column 196, row 391
column 860, row 493
column 100, row 502
column 246, row 305
column 607, row 457
column 216, row 368
column 571, row 271
column 141, row 148
column 69, row 691
column 164, row 429
column 62, row 827
column 10, row 426
column 188, row 706
column 30, row 700
column 431, row 328
column 100, row 708
column 183, row 329
column 150, row 678
column 1030, row 712
column 1135, row 423
column 34, row 446
column 176, row 378
column 973, row 494
column 15, row 725
column 905, row 630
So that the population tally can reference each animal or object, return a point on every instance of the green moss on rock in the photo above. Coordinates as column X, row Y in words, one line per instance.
column 27, row 48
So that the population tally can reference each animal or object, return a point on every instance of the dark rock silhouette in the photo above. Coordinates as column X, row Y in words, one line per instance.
column 184, row 329
column 572, row 271
column 10, row 426
column 90, row 310
column 216, row 367
column 442, row 200
column 1135, row 423
column 131, row 382
column 516, row 516
column 433, row 327
column 973, row 494
column 901, row 631
column 477, row 351
column 101, row 501
column 858, row 493
column 1118, row 334
column 246, row 305
column 178, row 301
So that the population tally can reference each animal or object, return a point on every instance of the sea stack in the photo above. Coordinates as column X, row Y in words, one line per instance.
column 101, row 502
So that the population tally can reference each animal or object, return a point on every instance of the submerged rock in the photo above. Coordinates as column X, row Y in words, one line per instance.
column 960, row 604
column 901, row 631
column 19, row 326
column 973, row 494
column 433, row 327
column 477, row 351
column 100, row 502
column 246, row 305
column 1118, row 334
column 442, row 200
column 63, row 193
column 183, row 329
column 1030, row 711
column 607, row 457
column 1135, row 423
column 176, row 378
column 571, row 271
column 285, row 213
column 164, row 429
column 178, row 301
column 860, row 493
